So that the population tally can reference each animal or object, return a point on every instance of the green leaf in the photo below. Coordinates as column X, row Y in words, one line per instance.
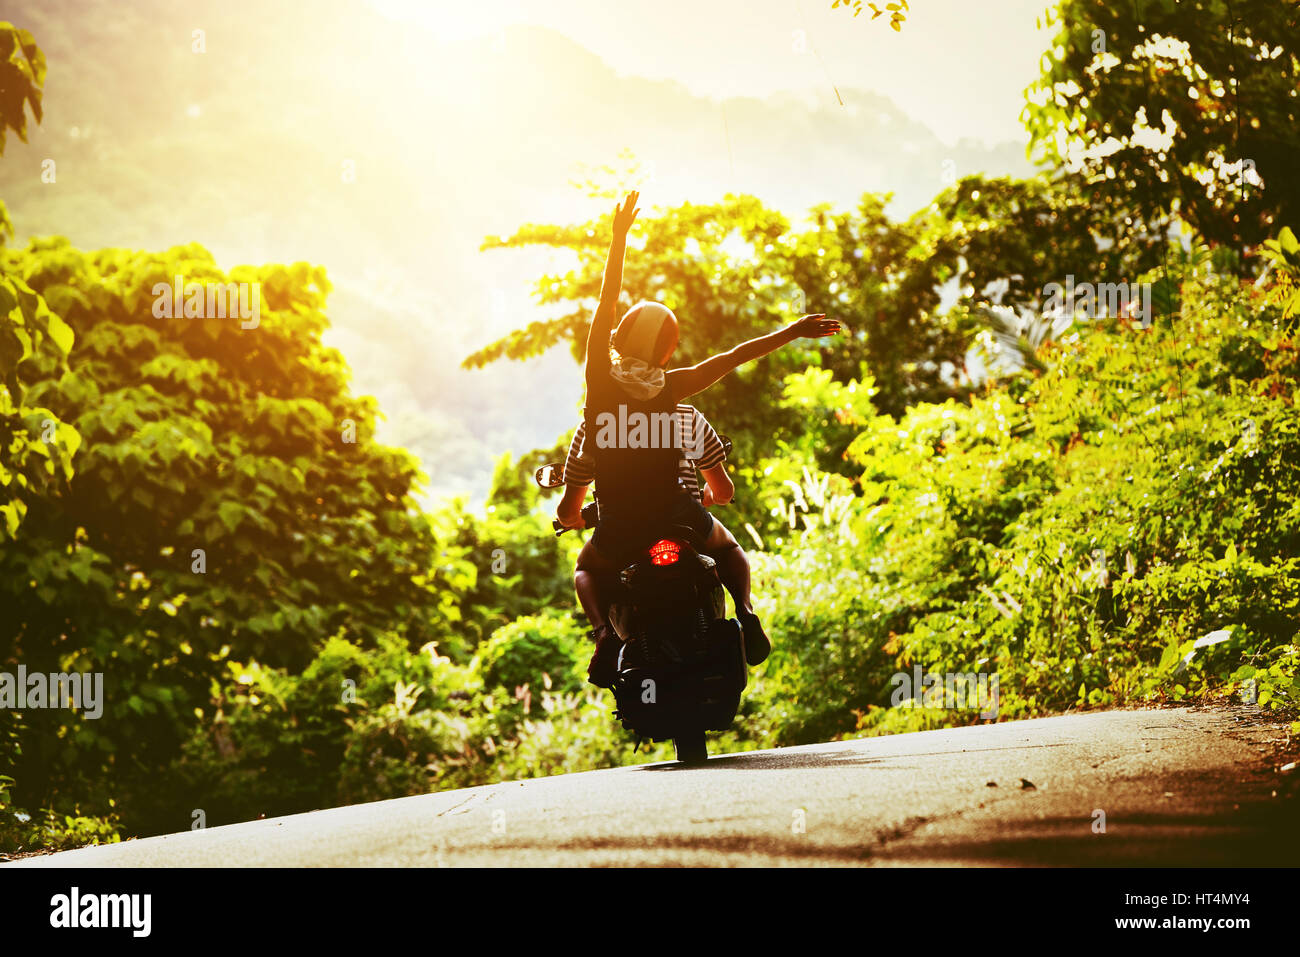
column 60, row 332
column 1169, row 658
column 231, row 514
column 1286, row 239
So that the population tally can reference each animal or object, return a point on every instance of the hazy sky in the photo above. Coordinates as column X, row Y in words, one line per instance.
column 959, row 66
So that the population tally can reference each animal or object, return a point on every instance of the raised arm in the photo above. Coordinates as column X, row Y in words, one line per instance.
column 602, row 323
column 689, row 380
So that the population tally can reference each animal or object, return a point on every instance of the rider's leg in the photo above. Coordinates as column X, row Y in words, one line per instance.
column 733, row 570
column 733, row 565
column 586, row 582
column 602, row 668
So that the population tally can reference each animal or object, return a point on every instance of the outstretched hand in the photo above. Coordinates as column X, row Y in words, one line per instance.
column 625, row 214
column 815, row 327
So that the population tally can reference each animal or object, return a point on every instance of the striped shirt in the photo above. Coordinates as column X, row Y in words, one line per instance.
column 701, row 449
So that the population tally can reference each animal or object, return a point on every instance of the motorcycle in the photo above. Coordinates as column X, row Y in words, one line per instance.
column 681, row 670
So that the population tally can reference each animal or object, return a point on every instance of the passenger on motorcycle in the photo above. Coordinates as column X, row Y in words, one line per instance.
column 630, row 396
column 618, row 541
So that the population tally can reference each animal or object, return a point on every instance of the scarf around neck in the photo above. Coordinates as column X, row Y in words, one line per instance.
column 639, row 379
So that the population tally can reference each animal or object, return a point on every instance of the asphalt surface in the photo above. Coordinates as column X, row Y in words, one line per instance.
column 1185, row 787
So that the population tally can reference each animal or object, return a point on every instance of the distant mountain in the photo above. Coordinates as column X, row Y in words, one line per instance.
column 245, row 147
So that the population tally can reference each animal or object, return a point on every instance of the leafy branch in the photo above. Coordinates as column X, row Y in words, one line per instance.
column 897, row 11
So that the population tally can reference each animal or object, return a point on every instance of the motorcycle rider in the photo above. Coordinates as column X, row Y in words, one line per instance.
column 638, row 481
column 702, row 451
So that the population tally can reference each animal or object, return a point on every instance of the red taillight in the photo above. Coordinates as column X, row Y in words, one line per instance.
column 664, row 552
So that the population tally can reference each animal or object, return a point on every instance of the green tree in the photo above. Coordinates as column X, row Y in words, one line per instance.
column 1008, row 238
column 36, row 448
column 230, row 504
column 1158, row 109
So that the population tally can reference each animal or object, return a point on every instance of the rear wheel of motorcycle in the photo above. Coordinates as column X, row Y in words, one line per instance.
column 691, row 748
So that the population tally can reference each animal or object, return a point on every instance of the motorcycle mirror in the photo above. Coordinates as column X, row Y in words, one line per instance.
column 550, row 475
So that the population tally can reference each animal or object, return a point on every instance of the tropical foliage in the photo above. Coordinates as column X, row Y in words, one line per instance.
column 1098, row 508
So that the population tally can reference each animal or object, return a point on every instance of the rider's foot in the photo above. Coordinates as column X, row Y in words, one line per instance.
column 757, row 645
column 603, row 668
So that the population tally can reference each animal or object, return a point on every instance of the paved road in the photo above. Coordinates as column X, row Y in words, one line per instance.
column 1177, row 787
